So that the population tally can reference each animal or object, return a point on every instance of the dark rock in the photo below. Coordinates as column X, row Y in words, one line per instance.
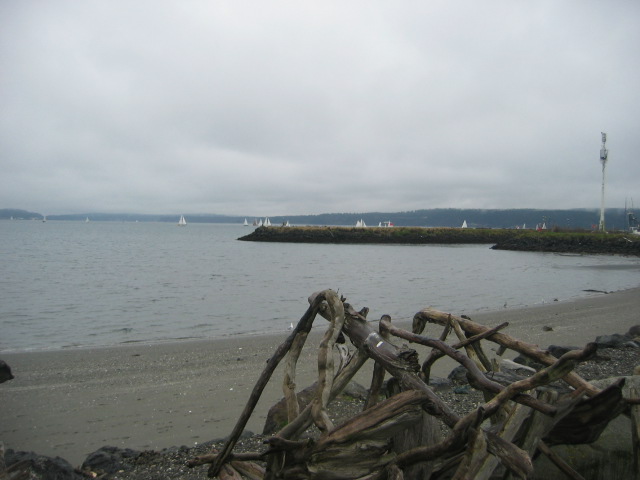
column 458, row 375
column 41, row 467
column 634, row 331
column 462, row 389
column 439, row 383
column 612, row 341
column 528, row 362
column 5, row 372
column 109, row 459
column 355, row 390
column 557, row 350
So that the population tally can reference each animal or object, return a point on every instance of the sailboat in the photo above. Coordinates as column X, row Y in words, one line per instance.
column 246, row 224
column 267, row 222
column 464, row 224
column 182, row 222
column 86, row 220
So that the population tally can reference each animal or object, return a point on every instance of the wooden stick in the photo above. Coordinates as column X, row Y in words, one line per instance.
column 435, row 316
column 477, row 376
column 325, row 363
column 289, row 381
column 471, row 353
column 304, row 324
column 251, row 470
column 635, row 432
column 377, row 377
column 436, row 354
column 559, row 462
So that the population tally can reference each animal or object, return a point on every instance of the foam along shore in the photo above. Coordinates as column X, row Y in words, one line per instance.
column 71, row 402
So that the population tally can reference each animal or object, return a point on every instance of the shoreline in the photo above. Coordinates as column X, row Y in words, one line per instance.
column 71, row 402
column 480, row 312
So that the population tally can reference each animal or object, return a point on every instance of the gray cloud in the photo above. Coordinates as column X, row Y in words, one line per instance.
column 283, row 108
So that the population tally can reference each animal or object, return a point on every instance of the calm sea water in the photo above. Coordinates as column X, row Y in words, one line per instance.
column 71, row 284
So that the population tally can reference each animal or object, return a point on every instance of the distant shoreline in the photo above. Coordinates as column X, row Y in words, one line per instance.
column 440, row 217
column 502, row 239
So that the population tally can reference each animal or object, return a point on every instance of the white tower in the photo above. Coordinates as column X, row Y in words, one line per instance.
column 604, row 153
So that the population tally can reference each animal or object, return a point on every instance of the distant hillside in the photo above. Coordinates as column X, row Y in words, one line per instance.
column 439, row 217
column 17, row 214
column 477, row 218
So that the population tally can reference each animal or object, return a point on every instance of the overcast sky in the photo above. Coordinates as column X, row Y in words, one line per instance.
column 274, row 108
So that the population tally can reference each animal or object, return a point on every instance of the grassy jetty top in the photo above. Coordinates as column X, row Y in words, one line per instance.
column 505, row 239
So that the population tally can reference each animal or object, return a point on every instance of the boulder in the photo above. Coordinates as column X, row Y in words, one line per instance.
column 557, row 350
column 108, row 459
column 610, row 456
column 634, row 331
column 614, row 341
column 277, row 415
column 458, row 375
column 5, row 372
column 41, row 467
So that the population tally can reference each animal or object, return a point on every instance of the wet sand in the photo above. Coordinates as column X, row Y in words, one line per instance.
column 69, row 403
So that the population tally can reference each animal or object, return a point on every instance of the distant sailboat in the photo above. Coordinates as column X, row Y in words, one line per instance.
column 464, row 224
column 86, row 220
column 182, row 222
column 267, row 222
column 44, row 218
column 246, row 224
column 360, row 224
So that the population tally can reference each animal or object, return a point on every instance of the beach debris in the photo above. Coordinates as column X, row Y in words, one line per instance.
column 396, row 436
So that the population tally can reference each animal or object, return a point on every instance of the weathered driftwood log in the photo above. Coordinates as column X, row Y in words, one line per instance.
column 635, row 431
column 396, row 438
column 304, row 325
column 430, row 315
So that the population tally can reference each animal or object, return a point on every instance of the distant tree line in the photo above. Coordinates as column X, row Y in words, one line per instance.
column 438, row 217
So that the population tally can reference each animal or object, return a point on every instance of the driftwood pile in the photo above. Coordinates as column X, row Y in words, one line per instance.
column 398, row 437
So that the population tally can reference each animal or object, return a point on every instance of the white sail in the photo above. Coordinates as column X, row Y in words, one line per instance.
column 267, row 222
column 464, row 224
column 246, row 224
column 182, row 222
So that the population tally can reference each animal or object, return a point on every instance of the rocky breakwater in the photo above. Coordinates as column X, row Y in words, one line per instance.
column 560, row 242
column 394, row 235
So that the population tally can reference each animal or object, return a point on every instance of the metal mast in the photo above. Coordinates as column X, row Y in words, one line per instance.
column 604, row 153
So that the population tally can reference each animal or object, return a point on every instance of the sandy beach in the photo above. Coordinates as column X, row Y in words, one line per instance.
column 69, row 403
